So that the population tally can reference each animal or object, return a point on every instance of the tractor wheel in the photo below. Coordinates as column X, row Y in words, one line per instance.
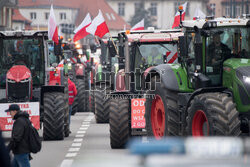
column 119, row 123
column 92, row 101
column 161, row 111
column 66, row 115
column 74, row 106
column 213, row 114
column 86, row 95
column 80, row 95
column 54, row 114
column 102, row 106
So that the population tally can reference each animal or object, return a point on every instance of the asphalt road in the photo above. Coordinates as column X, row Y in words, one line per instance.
column 88, row 146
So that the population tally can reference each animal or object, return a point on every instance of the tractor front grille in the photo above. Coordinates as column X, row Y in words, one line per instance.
column 18, row 91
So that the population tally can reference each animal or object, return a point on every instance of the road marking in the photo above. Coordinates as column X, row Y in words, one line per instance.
column 66, row 163
column 78, row 140
column 79, row 135
column 76, row 144
column 70, row 155
column 83, row 128
column 81, row 131
column 74, row 149
column 85, row 125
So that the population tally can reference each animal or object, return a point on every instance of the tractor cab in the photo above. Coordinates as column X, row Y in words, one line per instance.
column 145, row 49
column 21, row 68
column 211, row 48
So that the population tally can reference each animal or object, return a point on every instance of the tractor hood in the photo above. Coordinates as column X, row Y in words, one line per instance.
column 235, row 63
column 18, row 73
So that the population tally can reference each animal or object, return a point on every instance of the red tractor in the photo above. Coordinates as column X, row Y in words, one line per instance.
column 142, row 50
column 30, row 79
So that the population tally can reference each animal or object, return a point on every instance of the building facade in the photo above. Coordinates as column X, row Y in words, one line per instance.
column 235, row 8
column 6, row 12
column 69, row 14
column 163, row 11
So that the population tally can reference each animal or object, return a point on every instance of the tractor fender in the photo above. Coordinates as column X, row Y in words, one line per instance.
column 51, row 88
column 205, row 90
column 167, row 75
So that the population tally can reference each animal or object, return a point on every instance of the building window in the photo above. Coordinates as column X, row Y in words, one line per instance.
column 108, row 16
column 238, row 11
column 63, row 16
column 46, row 15
column 153, row 9
column 212, row 6
column 112, row 16
column 227, row 11
column 176, row 7
column 121, row 8
column 138, row 6
column 32, row 15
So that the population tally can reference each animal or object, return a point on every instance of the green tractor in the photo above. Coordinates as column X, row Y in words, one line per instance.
column 139, row 52
column 208, row 92
column 103, row 84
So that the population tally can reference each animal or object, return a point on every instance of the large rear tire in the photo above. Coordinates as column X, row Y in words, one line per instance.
column 92, row 101
column 54, row 113
column 66, row 115
column 102, row 105
column 213, row 114
column 119, row 122
column 80, row 95
column 161, row 111
column 86, row 95
column 74, row 106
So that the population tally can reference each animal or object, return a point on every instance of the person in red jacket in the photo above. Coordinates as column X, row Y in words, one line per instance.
column 72, row 94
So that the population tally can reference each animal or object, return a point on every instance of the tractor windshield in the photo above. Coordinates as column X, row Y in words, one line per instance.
column 23, row 51
column 154, row 54
column 228, row 41
column 223, row 43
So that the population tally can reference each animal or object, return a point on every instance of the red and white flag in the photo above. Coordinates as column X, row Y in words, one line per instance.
column 98, row 26
column 177, row 16
column 199, row 14
column 52, row 28
column 138, row 26
column 80, row 31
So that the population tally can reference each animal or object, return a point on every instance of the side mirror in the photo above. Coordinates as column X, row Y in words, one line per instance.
column 112, row 50
column 182, row 46
column 93, row 48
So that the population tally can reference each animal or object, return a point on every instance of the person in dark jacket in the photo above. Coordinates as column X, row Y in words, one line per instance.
column 4, row 155
column 19, row 143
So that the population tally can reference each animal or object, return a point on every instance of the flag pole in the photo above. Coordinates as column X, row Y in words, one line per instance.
column 113, row 44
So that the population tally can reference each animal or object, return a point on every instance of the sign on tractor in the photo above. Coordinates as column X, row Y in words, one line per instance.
column 32, row 108
column 137, row 115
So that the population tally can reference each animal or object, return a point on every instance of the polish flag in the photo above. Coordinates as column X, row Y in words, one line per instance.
column 138, row 26
column 52, row 28
column 80, row 31
column 98, row 26
column 199, row 14
column 177, row 16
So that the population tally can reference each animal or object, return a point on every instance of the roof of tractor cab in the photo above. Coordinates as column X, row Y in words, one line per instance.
column 23, row 33
column 220, row 22
column 154, row 36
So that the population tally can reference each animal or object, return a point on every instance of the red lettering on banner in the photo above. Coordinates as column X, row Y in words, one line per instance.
column 137, row 114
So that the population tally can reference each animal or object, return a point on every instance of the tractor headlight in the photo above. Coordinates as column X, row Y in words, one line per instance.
column 25, row 80
column 11, row 81
column 246, row 79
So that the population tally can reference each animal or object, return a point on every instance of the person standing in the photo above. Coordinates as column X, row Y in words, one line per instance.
column 72, row 95
column 19, row 143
